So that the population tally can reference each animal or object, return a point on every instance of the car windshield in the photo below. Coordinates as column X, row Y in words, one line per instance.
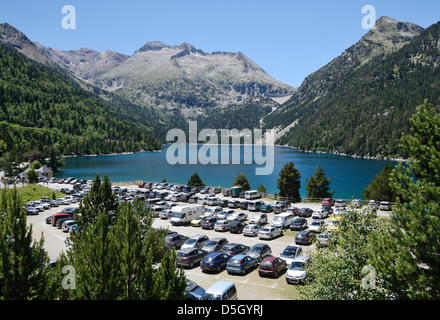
column 333, row 223
column 191, row 241
column 289, row 252
column 277, row 218
column 211, row 296
column 297, row 265
column 265, row 230
column 256, row 249
column 316, row 223
column 211, row 243
column 177, row 215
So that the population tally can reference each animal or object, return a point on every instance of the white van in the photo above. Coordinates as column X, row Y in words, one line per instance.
column 186, row 213
column 252, row 194
column 283, row 220
column 221, row 290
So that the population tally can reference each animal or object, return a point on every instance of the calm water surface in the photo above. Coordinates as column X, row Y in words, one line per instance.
column 350, row 176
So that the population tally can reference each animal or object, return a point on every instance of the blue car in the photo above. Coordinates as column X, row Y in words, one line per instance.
column 214, row 261
column 241, row 264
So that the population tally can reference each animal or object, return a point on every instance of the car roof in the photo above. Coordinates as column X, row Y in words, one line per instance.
column 184, row 250
column 239, row 256
column 218, row 239
column 270, row 258
column 219, row 286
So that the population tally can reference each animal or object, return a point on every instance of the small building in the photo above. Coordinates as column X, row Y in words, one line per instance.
column 45, row 172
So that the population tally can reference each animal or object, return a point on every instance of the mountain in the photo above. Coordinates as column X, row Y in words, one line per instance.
column 188, row 79
column 176, row 82
column 44, row 113
column 360, row 103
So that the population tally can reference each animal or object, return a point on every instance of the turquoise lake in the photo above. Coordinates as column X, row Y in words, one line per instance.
column 350, row 175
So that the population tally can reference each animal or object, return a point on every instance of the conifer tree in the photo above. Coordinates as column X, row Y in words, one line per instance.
column 406, row 251
column 289, row 182
column 318, row 186
column 242, row 181
column 195, row 181
column 24, row 270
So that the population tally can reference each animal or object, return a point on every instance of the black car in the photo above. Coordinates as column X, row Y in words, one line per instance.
column 298, row 224
column 305, row 237
column 175, row 240
column 305, row 212
column 259, row 251
column 244, row 205
column 223, row 203
column 235, row 248
column 189, row 257
column 236, row 227
column 208, row 222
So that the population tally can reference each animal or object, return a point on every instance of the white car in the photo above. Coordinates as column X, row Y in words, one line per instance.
column 270, row 233
column 237, row 216
column 225, row 214
column 251, row 230
column 290, row 253
column 165, row 214
column 320, row 214
column 213, row 210
column 317, row 226
column 296, row 270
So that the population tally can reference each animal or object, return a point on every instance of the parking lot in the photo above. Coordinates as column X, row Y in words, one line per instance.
column 250, row 286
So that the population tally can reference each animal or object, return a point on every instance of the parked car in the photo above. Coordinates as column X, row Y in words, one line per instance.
column 255, row 205
column 251, row 230
column 259, row 218
column 215, row 244
column 197, row 241
column 235, row 248
column 317, row 226
column 233, row 204
column 241, row 264
column 223, row 203
column 271, row 266
column 259, row 251
column 193, row 290
column 175, row 240
column 237, row 216
column 291, row 252
column 221, row 290
column 237, row 226
column 68, row 224
column 225, row 213
column 325, row 238
column 165, row 214
column 385, row 206
column 244, row 205
column 328, row 209
column 213, row 211
column 293, row 210
column 208, row 222
column 214, row 261
column 189, row 257
column 198, row 221
column 305, row 237
column 356, row 203
column 298, row 224
column 334, row 223
column 266, row 208
column 222, row 225
column 305, row 212
column 296, row 271
column 270, row 233
column 320, row 214
column 340, row 203
column 328, row 202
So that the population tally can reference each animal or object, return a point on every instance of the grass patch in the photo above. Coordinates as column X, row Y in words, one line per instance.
column 35, row 192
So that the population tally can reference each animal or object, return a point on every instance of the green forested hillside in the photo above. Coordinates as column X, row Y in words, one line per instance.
column 43, row 111
column 366, row 110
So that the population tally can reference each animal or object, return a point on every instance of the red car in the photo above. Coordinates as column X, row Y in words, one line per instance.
column 328, row 202
column 57, row 216
column 271, row 266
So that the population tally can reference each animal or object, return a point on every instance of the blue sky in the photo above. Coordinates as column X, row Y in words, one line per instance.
column 289, row 39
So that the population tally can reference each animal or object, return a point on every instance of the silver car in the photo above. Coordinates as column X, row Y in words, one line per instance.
column 251, row 230
column 270, row 233
column 197, row 241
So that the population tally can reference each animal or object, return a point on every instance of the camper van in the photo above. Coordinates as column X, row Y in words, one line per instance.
column 283, row 220
column 252, row 194
column 186, row 213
